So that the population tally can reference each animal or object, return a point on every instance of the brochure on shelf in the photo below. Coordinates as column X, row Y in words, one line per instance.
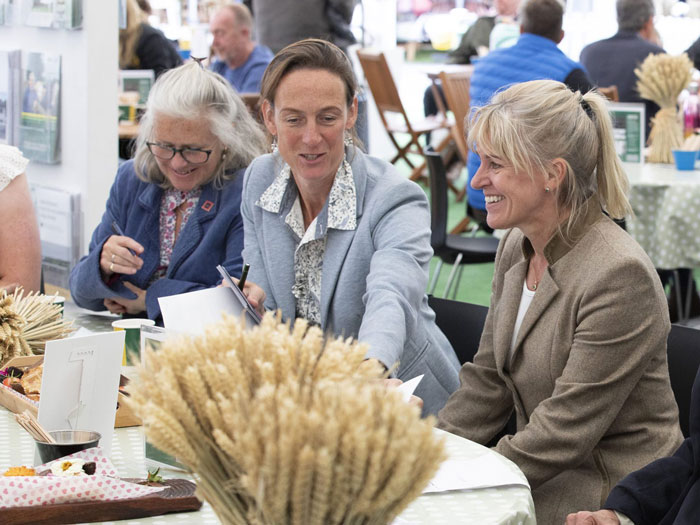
column 40, row 123
column 56, row 14
column 59, row 215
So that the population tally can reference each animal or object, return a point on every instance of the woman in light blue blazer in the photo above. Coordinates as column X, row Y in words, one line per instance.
column 335, row 236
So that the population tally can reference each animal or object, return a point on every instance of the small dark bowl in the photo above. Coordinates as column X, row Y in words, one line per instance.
column 67, row 442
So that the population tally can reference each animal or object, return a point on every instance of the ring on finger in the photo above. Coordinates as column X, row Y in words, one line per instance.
column 111, row 267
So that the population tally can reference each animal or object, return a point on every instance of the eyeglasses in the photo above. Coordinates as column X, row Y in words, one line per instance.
column 191, row 155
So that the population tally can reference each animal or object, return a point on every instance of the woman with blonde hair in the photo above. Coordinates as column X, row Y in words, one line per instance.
column 142, row 46
column 575, row 338
column 173, row 212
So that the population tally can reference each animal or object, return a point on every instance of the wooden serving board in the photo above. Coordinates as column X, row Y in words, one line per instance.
column 178, row 497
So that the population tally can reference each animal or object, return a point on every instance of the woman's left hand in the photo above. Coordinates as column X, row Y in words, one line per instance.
column 130, row 306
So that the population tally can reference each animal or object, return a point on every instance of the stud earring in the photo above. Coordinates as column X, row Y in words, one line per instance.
column 546, row 189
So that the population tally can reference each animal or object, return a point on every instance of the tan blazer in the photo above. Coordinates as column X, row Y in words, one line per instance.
column 588, row 377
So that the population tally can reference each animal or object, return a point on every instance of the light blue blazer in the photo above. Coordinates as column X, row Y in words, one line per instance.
column 374, row 277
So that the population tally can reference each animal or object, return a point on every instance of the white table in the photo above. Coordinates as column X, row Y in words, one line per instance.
column 510, row 505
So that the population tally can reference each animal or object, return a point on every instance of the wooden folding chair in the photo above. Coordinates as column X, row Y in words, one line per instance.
column 393, row 115
column 610, row 92
column 455, row 86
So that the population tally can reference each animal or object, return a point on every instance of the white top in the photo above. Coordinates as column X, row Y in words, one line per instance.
column 525, row 300
column 12, row 163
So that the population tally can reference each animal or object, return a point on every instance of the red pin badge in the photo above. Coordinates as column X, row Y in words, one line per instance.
column 207, row 206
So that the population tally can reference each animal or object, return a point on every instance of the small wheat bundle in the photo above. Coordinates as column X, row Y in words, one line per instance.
column 661, row 78
column 281, row 427
column 27, row 322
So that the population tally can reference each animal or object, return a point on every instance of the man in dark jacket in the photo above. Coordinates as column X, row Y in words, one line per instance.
column 664, row 492
column 612, row 61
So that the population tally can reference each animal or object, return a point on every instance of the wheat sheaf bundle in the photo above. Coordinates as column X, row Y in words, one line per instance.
column 661, row 78
column 27, row 322
column 281, row 427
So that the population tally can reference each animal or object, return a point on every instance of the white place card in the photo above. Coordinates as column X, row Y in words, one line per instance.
column 80, row 384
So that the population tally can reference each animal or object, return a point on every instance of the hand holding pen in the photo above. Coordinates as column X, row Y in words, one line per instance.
column 120, row 254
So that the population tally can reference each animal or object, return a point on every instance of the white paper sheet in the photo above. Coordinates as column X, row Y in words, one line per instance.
column 191, row 312
column 80, row 384
column 407, row 388
column 478, row 473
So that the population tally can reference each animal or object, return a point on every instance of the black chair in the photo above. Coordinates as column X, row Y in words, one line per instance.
column 462, row 324
column 450, row 248
column 683, row 363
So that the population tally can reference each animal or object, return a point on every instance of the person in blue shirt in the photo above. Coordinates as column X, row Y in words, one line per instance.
column 173, row 212
column 239, row 59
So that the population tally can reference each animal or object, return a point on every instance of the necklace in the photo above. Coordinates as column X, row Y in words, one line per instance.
column 533, row 286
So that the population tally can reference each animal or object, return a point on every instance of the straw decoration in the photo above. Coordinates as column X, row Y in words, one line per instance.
column 661, row 78
column 27, row 322
column 281, row 427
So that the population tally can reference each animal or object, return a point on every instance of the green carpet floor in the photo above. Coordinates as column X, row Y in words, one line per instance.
column 475, row 284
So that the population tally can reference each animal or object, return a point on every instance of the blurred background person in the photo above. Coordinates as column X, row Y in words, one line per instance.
column 278, row 24
column 337, row 237
column 177, row 202
column 20, row 249
column 612, row 61
column 238, row 59
column 694, row 53
column 574, row 342
column 144, row 47
column 474, row 43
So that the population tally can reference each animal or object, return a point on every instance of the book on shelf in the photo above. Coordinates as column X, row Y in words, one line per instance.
column 40, row 120
column 10, row 86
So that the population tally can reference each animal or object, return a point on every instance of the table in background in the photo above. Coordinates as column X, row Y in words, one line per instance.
column 666, row 206
column 502, row 505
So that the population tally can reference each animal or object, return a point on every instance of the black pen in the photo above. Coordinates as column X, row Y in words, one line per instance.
column 244, row 276
column 118, row 231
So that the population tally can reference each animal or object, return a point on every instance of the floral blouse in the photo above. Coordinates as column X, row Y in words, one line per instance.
column 170, row 201
column 340, row 209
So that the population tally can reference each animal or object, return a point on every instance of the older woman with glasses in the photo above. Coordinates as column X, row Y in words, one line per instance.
column 173, row 212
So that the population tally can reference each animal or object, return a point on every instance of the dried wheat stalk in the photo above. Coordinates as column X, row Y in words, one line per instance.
column 282, row 427
column 27, row 322
column 661, row 78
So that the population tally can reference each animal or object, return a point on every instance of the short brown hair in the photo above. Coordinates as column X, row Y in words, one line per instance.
column 543, row 18
column 311, row 53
